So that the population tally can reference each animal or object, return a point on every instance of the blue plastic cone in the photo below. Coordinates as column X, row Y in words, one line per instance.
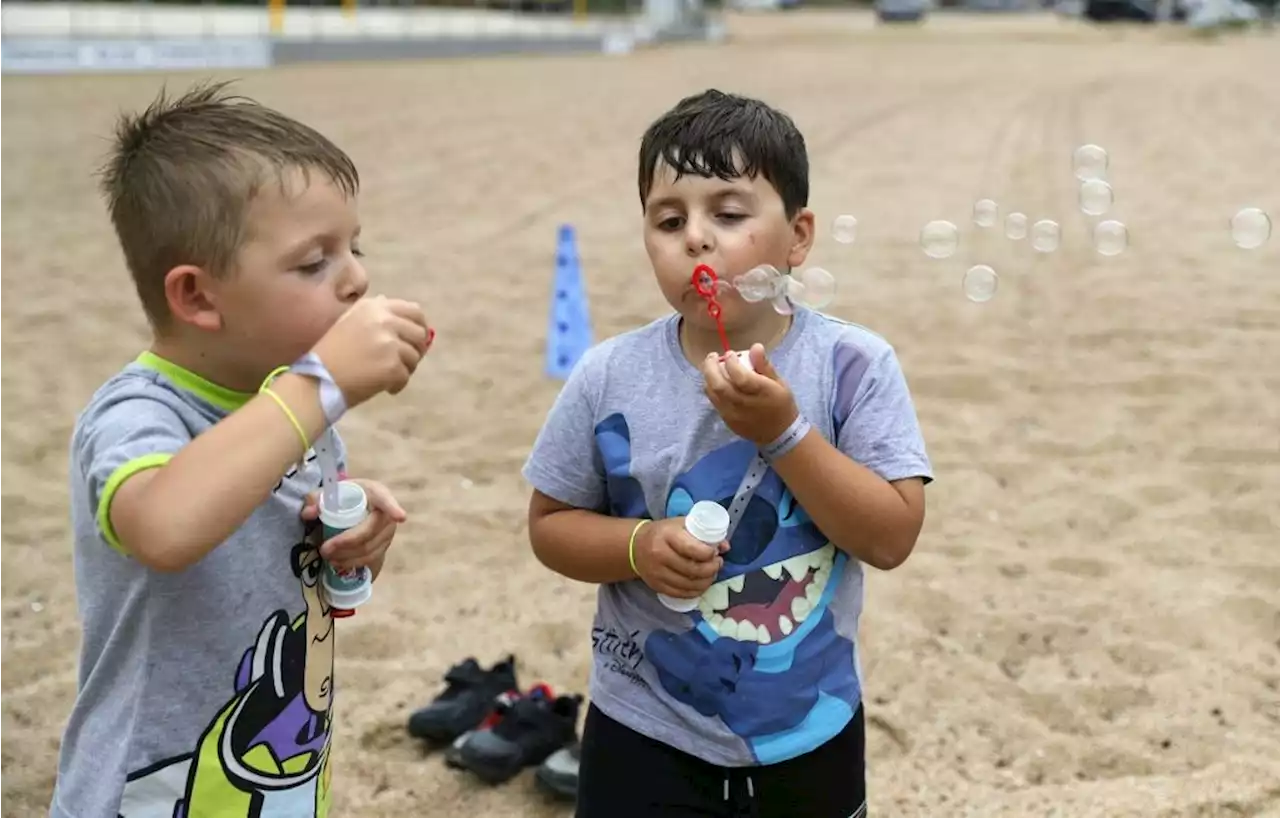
column 569, row 333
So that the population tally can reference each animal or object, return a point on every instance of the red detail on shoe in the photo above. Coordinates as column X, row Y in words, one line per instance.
column 506, row 699
column 544, row 688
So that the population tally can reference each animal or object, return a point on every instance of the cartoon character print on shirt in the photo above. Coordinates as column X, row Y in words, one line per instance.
column 762, row 652
column 266, row 752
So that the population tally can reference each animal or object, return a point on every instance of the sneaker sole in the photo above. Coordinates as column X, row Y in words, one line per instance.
column 557, row 785
column 490, row 773
column 436, row 736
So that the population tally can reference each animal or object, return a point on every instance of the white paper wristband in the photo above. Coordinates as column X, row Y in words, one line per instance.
column 332, row 401
column 788, row 439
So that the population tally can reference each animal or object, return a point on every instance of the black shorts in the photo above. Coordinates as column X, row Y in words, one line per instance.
column 624, row 774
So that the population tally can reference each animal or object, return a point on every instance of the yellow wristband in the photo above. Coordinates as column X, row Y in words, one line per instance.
column 631, row 546
column 271, row 376
column 284, row 407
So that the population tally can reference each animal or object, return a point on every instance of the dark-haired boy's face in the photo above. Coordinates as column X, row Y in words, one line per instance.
column 731, row 225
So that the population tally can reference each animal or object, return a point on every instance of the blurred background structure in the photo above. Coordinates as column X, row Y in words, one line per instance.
column 158, row 34
column 40, row 36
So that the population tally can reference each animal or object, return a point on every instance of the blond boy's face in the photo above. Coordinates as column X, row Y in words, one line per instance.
column 297, row 272
column 732, row 226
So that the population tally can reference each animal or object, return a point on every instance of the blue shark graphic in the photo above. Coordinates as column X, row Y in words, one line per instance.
column 763, row 654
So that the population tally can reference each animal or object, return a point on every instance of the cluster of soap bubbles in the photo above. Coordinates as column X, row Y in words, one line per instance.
column 1250, row 228
column 940, row 239
column 1110, row 237
column 814, row 287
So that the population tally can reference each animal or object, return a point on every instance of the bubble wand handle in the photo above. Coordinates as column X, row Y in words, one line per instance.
column 704, row 283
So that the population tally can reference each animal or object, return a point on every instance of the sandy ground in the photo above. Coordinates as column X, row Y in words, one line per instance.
column 1090, row 625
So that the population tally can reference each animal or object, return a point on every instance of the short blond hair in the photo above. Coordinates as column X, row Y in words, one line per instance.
column 183, row 172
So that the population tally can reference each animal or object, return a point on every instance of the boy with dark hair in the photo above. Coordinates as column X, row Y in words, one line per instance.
column 751, row 702
column 206, row 670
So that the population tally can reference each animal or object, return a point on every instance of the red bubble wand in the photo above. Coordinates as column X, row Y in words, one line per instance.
column 705, row 281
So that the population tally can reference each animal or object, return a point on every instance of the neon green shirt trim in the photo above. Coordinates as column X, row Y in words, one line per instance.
column 114, row 482
column 188, row 381
column 226, row 399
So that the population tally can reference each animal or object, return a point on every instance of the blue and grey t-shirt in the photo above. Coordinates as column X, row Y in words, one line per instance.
column 206, row 691
column 766, row 668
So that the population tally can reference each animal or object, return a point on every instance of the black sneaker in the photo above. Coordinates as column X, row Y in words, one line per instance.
column 530, row 731
column 453, row 754
column 465, row 702
column 558, row 775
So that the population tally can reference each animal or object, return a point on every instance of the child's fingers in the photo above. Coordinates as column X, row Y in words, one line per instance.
column 672, row 583
column 351, row 542
column 689, row 548
column 367, row 551
column 358, row 544
column 376, row 544
column 311, row 506
column 698, row 571
column 714, row 375
column 381, row 499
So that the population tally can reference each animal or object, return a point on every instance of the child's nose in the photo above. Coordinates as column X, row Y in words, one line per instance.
column 356, row 284
column 699, row 240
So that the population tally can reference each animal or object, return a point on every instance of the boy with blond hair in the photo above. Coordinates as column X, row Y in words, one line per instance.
column 206, row 670
column 749, row 701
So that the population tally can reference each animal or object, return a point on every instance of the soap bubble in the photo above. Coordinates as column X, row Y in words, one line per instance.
column 980, row 283
column 1095, row 197
column 1090, row 162
column 1015, row 226
column 758, row 283
column 844, row 229
column 819, row 288
column 1110, row 238
column 985, row 212
column 1250, row 228
column 939, row 239
column 793, row 291
column 1045, row 235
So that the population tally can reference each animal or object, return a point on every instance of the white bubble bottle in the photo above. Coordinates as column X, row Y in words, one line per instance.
column 708, row 522
column 345, row 590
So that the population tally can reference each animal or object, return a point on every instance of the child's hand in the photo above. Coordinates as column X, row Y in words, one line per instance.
column 367, row 543
column 757, row 406
column 375, row 347
column 672, row 561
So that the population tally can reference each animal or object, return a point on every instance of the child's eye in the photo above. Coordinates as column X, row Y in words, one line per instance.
column 672, row 223
column 357, row 252
column 733, row 217
column 314, row 268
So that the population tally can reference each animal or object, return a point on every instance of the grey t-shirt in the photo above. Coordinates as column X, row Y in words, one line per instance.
column 206, row 691
column 766, row 668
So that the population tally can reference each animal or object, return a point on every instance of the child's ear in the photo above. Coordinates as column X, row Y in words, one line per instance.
column 192, row 295
column 802, row 236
